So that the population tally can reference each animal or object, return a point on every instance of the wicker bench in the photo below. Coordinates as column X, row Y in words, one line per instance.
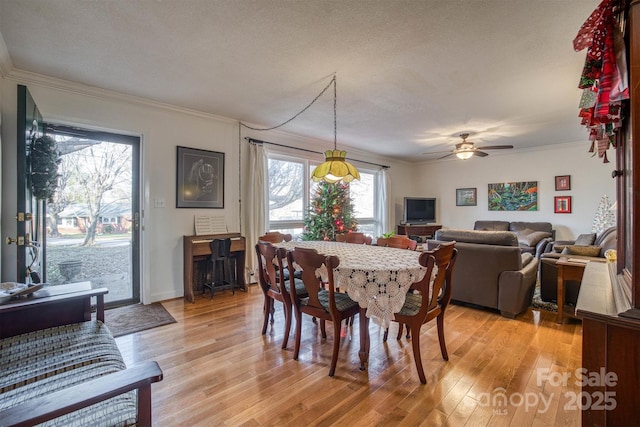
column 72, row 374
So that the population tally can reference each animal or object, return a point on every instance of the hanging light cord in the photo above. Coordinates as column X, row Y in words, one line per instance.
column 335, row 116
column 332, row 82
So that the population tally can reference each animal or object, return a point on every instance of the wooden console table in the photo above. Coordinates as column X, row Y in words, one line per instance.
column 427, row 230
column 567, row 270
column 196, row 250
column 51, row 306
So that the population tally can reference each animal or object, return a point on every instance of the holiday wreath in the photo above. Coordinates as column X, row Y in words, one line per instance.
column 44, row 160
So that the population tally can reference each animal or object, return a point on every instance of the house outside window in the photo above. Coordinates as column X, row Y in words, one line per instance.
column 291, row 190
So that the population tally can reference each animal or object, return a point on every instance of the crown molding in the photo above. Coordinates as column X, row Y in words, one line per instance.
column 30, row 78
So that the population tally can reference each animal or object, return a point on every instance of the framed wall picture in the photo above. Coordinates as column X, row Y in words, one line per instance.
column 200, row 178
column 513, row 196
column 563, row 182
column 562, row 204
column 466, row 197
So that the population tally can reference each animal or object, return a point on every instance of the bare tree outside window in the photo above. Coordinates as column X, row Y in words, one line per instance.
column 94, row 176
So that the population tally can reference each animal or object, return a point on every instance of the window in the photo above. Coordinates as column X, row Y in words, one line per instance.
column 291, row 190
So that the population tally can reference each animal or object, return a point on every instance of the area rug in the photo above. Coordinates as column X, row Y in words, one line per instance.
column 136, row 317
column 538, row 304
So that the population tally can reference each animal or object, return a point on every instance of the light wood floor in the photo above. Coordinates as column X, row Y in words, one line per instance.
column 219, row 370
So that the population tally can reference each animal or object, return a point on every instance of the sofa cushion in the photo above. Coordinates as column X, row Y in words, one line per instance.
column 582, row 250
column 503, row 238
column 529, row 237
column 491, row 225
column 516, row 226
column 585, row 239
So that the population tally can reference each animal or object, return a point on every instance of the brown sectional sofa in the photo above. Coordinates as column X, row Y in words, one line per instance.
column 533, row 237
column 594, row 246
column 491, row 270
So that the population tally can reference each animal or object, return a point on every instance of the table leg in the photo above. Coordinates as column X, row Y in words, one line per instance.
column 560, row 296
column 364, row 339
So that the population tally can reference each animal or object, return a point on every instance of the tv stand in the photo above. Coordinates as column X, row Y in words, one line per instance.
column 423, row 230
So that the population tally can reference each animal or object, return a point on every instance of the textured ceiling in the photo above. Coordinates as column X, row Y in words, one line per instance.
column 411, row 75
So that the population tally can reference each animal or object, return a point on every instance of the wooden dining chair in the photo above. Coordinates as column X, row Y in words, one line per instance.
column 430, row 301
column 275, row 287
column 323, row 304
column 354, row 237
column 275, row 237
column 400, row 242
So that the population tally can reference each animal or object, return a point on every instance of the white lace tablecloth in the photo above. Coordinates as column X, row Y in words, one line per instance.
column 378, row 278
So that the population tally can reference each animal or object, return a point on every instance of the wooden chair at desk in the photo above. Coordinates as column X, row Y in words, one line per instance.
column 221, row 275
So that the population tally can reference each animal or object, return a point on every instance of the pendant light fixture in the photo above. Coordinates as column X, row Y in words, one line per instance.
column 335, row 167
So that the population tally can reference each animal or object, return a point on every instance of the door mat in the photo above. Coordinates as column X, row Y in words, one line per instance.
column 538, row 304
column 136, row 317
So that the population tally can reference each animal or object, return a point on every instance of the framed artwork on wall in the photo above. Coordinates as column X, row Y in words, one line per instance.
column 466, row 196
column 562, row 204
column 513, row 196
column 563, row 182
column 199, row 178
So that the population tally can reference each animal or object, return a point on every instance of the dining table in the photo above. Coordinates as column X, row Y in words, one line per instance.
column 376, row 277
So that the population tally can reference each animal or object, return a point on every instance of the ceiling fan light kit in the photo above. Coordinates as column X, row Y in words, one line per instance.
column 464, row 155
column 465, row 150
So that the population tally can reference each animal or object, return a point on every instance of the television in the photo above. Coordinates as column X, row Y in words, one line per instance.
column 419, row 210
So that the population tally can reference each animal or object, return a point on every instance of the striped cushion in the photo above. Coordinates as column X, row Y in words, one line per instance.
column 343, row 302
column 301, row 290
column 411, row 305
column 41, row 362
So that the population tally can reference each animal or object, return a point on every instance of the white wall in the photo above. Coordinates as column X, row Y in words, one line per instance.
column 164, row 127
column 590, row 180
column 161, row 129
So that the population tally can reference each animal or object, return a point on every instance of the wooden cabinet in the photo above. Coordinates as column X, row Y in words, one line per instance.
column 609, row 299
column 610, row 348
column 426, row 230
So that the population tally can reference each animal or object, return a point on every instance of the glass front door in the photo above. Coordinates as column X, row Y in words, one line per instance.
column 93, row 219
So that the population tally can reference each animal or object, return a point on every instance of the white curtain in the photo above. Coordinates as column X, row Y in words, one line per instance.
column 256, row 202
column 384, row 207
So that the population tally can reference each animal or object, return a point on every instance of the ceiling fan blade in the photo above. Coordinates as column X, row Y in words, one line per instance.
column 428, row 153
column 480, row 153
column 444, row 157
column 494, row 147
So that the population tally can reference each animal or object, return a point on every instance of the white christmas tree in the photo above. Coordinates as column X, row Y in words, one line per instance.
column 605, row 216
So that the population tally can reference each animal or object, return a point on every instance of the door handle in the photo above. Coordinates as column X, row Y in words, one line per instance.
column 18, row 240
column 24, row 216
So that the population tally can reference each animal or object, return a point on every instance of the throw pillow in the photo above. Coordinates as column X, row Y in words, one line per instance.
column 593, row 251
column 585, row 239
column 532, row 238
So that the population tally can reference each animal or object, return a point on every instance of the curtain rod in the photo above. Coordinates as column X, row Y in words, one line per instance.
column 258, row 141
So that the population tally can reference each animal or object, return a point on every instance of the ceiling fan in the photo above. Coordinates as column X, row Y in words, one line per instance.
column 465, row 149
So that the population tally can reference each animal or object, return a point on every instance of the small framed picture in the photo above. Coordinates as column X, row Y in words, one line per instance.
column 466, row 197
column 200, row 179
column 562, row 204
column 563, row 182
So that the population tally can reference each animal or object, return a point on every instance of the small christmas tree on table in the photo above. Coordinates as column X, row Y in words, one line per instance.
column 330, row 213
column 605, row 216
